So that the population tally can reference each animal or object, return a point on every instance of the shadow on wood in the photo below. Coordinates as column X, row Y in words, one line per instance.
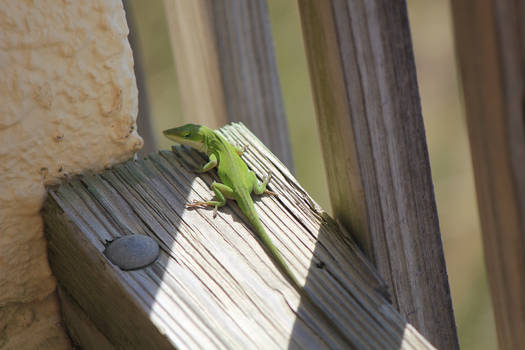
column 214, row 285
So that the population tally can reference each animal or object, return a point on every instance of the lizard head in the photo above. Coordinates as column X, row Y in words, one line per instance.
column 190, row 135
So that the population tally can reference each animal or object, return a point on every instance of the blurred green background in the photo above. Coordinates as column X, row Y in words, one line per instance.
column 432, row 36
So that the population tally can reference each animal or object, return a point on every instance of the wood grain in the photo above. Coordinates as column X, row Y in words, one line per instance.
column 490, row 37
column 365, row 90
column 214, row 285
column 227, row 69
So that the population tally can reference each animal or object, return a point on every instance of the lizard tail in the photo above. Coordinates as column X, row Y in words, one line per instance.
column 245, row 202
column 342, row 339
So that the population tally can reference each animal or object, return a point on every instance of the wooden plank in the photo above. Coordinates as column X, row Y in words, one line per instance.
column 226, row 64
column 491, row 55
column 213, row 285
column 364, row 81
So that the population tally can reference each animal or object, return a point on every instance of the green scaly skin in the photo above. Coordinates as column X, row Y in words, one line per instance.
column 238, row 182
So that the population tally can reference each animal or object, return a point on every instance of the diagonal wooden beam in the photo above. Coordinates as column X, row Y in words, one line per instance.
column 213, row 285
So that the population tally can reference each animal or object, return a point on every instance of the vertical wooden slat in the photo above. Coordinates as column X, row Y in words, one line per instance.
column 225, row 50
column 196, row 62
column 143, row 118
column 490, row 42
column 367, row 101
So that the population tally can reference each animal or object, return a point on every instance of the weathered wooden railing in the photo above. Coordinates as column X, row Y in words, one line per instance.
column 368, row 110
column 213, row 285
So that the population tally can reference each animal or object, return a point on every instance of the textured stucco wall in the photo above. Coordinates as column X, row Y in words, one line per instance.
column 68, row 103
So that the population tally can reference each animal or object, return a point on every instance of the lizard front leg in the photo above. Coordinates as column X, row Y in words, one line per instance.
column 212, row 163
column 222, row 192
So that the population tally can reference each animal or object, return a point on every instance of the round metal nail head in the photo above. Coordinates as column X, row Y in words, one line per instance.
column 132, row 252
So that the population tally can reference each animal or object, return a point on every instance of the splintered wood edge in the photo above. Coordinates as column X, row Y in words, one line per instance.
column 214, row 285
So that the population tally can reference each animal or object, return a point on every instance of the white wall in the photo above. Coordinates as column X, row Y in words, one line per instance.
column 68, row 103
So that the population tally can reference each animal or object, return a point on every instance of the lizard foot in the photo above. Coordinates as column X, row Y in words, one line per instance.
column 196, row 204
column 271, row 193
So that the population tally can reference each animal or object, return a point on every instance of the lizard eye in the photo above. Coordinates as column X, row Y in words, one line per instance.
column 186, row 135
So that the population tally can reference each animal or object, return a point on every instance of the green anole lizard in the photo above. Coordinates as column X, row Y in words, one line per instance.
column 238, row 182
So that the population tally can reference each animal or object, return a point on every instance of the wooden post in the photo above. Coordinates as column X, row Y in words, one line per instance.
column 196, row 62
column 144, row 127
column 226, row 67
column 213, row 285
column 490, row 37
column 365, row 90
